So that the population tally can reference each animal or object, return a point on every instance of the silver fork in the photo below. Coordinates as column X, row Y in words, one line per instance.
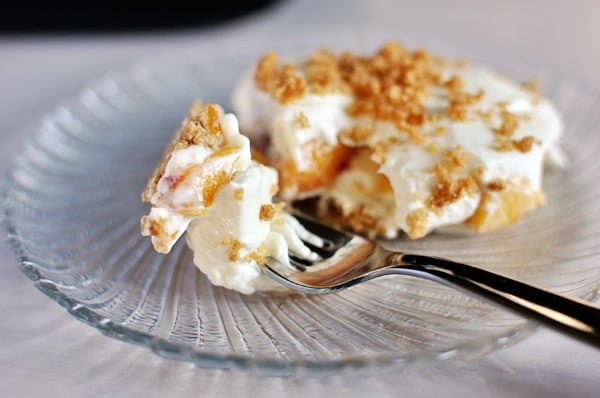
column 347, row 259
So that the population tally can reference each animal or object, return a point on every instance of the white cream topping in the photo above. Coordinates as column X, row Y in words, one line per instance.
column 224, row 224
column 260, row 113
column 231, row 221
column 409, row 167
column 228, row 235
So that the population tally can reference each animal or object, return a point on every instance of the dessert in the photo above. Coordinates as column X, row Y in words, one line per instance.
column 208, row 185
column 401, row 141
column 396, row 142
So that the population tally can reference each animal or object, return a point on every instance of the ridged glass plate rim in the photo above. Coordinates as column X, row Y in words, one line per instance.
column 465, row 349
column 469, row 349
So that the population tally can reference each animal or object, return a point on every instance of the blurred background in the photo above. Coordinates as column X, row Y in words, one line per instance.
column 112, row 15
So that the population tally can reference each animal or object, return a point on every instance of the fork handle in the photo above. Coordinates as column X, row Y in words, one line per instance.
column 574, row 317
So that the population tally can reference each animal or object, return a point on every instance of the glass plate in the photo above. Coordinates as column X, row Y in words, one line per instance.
column 72, row 210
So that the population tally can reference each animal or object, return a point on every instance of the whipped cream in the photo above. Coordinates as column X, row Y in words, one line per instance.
column 260, row 113
column 224, row 200
column 411, row 166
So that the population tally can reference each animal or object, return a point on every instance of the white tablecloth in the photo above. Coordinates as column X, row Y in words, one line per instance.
column 45, row 352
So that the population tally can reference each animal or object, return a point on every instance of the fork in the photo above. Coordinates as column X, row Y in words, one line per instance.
column 346, row 259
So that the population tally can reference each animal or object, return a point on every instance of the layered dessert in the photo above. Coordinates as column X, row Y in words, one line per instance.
column 395, row 143
column 208, row 185
column 400, row 141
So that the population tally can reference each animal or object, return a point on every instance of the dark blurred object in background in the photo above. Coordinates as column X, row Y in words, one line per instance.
column 63, row 16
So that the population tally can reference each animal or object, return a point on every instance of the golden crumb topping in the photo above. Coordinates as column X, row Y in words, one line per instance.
column 266, row 69
column 449, row 187
column 283, row 83
column 496, row 185
column 273, row 189
column 417, row 222
column 459, row 103
column 322, row 72
column 420, row 97
column 266, row 212
column 508, row 125
column 533, row 86
column 233, row 252
column 302, row 121
column 358, row 134
column 258, row 255
column 389, row 86
column 524, row 145
column 504, row 140
column 200, row 126
column 227, row 240
column 155, row 228
column 238, row 193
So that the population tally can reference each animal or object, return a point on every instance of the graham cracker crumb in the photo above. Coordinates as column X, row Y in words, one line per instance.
column 496, row 185
column 388, row 86
column 200, row 126
column 459, row 103
column 503, row 135
column 274, row 189
column 289, row 85
column 524, row 145
column 227, row 240
column 265, row 70
column 533, row 86
column 379, row 153
column 238, row 194
column 440, row 131
column 417, row 222
column 508, row 125
column 432, row 148
column 283, row 83
column 302, row 121
column 358, row 134
column 152, row 227
column 322, row 72
column 449, row 188
column 454, row 84
column 155, row 228
column 267, row 212
column 258, row 255
column 233, row 251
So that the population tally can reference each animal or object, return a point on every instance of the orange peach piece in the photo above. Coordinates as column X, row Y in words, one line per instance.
column 324, row 163
column 500, row 208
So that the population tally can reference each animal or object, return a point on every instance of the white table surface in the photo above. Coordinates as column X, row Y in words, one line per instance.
column 45, row 352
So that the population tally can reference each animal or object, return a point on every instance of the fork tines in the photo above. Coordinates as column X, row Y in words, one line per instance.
column 319, row 238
